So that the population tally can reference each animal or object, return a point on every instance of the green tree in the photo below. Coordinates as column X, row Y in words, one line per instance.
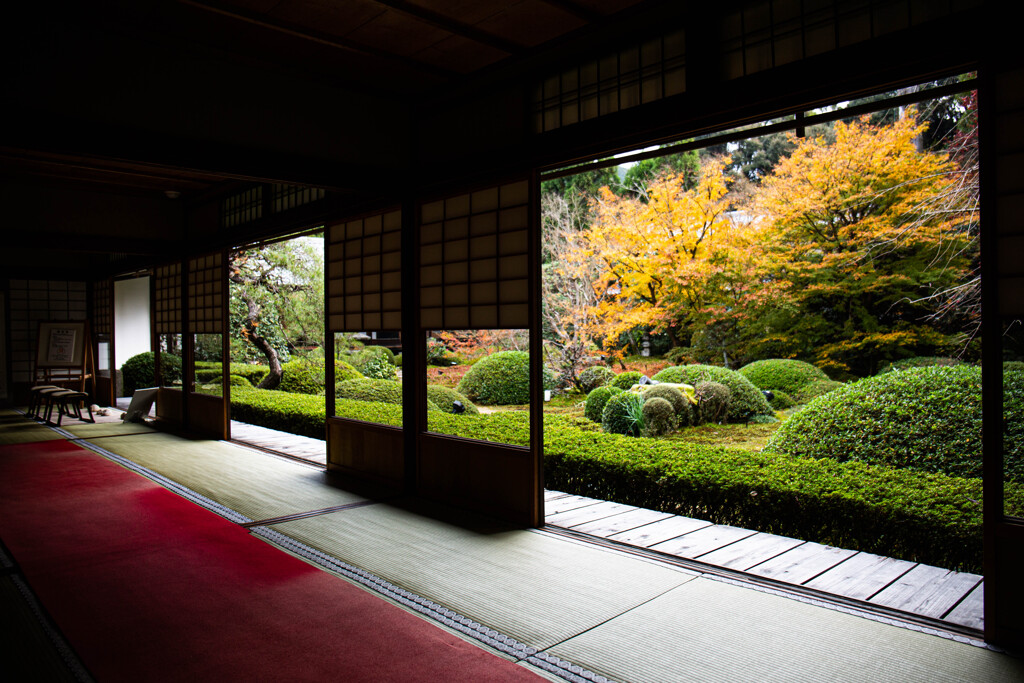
column 276, row 301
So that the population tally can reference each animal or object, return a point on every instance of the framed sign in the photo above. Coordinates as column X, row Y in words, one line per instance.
column 61, row 344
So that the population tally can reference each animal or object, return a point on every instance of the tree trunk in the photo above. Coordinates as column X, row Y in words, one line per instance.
column 273, row 378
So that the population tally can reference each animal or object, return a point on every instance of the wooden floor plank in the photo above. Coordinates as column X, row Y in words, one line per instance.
column 802, row 563
column 861, row 576
column 567, row 503
column 703, row 541
column 551, row 495
column 926, row 590
column 970, row 612
column 624, row 521
column 750, row 551
column 650, row 534
column 587, row 513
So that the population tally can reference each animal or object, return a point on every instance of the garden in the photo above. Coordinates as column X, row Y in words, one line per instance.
column 780, row 333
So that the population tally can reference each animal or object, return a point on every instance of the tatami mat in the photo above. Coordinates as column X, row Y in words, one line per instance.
column 19, row 429
column 536, row 588
column 711, row 631
column 256, row 485
column 92, row 431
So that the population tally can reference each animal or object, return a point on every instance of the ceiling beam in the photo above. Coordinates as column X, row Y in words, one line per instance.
column 305, row 33
column 453, row 26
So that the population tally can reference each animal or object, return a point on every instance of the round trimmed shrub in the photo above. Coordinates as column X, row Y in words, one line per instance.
column 659, row 417
column 596, row 401
column 780, row 400
column 500, row 379
column 595, row 376
column 623, row 414
column 344, row 371
column 626, row 380
column 373, row 391
column 802, row 381
column 445, row 399
column 713, row 399
column 926, row 419
column 921, row 362
column 139, row 371
column 233, row 380
column 747, row 400
column 680, row 404
column 302, row 377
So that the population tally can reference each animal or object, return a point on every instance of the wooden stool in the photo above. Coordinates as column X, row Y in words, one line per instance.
column 45, row 398
column 66, row 401
column 35, row 398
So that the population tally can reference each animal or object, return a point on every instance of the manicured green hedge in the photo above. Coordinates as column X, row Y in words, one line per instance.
column 139, row 371
column 929, row 518
column 921, row 362
column 802, row 381
column 926, row 418
column 747, row 400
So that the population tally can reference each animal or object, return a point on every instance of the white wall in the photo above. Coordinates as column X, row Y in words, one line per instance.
column 131, row 319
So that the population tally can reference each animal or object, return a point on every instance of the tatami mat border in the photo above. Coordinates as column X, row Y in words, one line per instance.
column 434, row 611
column 67, row 655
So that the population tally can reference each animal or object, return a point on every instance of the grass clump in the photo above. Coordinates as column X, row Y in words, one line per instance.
column 623, row 414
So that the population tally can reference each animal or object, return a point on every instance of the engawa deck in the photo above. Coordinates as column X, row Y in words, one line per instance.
column 916, row 589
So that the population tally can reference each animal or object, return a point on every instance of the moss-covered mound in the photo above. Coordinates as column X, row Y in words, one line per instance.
column 373, row 391
column 926, row 419
column 921, row 362
column 445, row 398
column 802, row 381
column 747, row 401
column 501, row 379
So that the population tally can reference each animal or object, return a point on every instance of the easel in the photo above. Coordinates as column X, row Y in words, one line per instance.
column 64, row 354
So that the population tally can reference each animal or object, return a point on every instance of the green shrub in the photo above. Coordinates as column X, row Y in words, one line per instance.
column 916, row 516
column 381, row 352
column 344, row 371
column 921, row 517
column 445, row 398
column 594, row 377
column 1013, row 365
column 378, row 367
column 802, row 381
column 659, row 416
column 623, row 414
column 233, row 380
column 139, row 371
column 713, row 399
column 625, row 380
column 747, row 400
column 680, row 404
column 253, row 373
column 398, row 360
column 926, row 419
column 374, row 391
column 499, row 379
column 920, row 362
column 302, row 377
column 780, row 400
column 596, row 400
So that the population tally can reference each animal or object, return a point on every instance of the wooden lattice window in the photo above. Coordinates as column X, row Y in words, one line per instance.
column 103, row 308
column 475, row 260
column 287, row 197
column 639, row 74
column 206, row 294
column 167, row 299
column 364, row 273
column 243, row 207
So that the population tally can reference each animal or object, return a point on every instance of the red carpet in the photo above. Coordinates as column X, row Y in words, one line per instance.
column 148, row 586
